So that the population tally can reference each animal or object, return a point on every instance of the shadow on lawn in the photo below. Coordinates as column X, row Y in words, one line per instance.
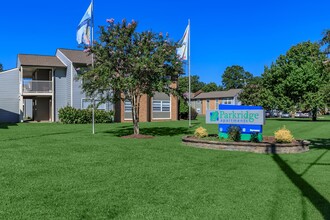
column 320, row 143
column 6, row 125
column 307, row 190
column 41, row 135
column 154, row 131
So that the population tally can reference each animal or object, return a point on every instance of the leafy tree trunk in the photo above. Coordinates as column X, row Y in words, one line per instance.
column 136, row 113
column 314, row 114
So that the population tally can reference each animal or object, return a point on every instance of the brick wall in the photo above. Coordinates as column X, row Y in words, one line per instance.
column 146, row 109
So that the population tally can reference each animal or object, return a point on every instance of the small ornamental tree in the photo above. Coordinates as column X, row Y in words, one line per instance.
column 131, row 64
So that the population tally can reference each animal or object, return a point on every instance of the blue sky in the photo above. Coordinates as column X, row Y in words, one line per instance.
column 223, row 33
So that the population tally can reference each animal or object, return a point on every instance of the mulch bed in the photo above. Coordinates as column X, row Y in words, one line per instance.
column 138, row 136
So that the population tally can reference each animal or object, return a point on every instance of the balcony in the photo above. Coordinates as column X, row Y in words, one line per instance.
column 37, row 87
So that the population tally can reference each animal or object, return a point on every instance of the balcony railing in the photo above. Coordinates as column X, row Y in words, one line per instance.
column 37, row 86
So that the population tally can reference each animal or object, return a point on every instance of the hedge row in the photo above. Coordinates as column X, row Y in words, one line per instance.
column 70, row 115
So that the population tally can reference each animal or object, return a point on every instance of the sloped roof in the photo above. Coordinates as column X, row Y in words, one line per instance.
column 186, row 94
column 77, row 56
column 218, row 94
column 39, row 60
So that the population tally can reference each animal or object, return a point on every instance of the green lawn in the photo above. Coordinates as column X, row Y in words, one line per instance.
column 55, row 171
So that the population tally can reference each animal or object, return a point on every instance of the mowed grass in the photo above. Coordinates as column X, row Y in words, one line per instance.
column 55, row 171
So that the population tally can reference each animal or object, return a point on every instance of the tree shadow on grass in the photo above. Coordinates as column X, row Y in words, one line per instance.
column 41, row 135
column 320, row 143
column 154, row 131
column 7, row 125
column 306, row 189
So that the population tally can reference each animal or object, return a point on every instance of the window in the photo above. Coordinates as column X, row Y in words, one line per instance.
column 88, row 103
column 161, row 106
column 227, row 101
column 128, row 106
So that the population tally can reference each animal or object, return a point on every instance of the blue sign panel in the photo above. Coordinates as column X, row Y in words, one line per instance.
column 246, row 128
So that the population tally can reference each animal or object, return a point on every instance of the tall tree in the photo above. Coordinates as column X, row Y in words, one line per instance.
column 210, row 87
column 1, row 68
column 326, row 41
column 194, row 83
column 297, row 78
column 235, row 77
column 256, row 94
column 131, row 64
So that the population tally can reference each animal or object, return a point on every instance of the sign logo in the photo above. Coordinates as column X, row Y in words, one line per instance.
column 252, row 117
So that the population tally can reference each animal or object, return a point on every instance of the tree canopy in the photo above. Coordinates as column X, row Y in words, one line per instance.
column 326, row 41
column 256, row 94
column 210, row 87
column 195, row 84
column 297, row 79
column 131, row 64
column 235, row 77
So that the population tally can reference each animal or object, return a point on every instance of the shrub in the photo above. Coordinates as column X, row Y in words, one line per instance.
column 184, row 111
column 201, row 132
column 283, row 135
column 70, row 115
column 254, row 137
column 234, row 133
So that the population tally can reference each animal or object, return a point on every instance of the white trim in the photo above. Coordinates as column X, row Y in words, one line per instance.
column 53, row 94
column 20, row 90
column 71, row 68
column 5, row 71
column 71, row 85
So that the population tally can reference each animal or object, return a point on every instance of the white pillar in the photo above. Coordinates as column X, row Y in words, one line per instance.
column 20, row 96
column 53, row 95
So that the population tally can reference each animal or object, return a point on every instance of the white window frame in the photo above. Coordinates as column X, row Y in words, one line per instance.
column 227, row 101
column 161, row 108
column 103, row 106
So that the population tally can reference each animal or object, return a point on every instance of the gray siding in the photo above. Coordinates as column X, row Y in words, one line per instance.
column 78, row 94
column 197, row 105
column 9, row 96
column 60, row 90
column 67, row 62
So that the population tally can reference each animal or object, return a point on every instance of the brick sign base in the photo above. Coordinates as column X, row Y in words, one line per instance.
column 267, row 148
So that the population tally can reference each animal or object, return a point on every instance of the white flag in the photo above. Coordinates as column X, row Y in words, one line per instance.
column 182, row 51
column 84, row 27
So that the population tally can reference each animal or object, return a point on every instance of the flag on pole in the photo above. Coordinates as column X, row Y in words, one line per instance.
column 84, row 27
column 182, row 51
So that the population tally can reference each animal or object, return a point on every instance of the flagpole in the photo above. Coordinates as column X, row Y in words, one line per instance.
column 92, row 38
column 189, row 74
